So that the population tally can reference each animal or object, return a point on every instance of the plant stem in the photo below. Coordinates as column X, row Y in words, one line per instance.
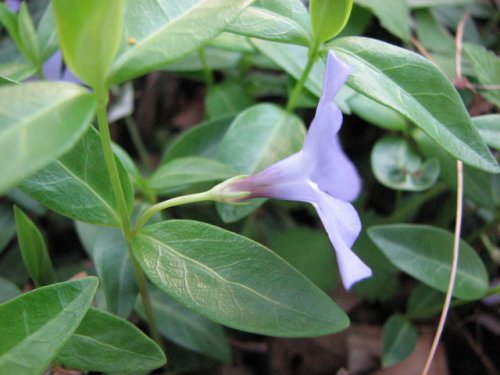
column 109, row 158
column 299, row 86
column 137, row 141
column 207, row 72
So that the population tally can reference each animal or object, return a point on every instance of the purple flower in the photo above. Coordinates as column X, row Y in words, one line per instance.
column 13, row 5
column 320, row 174
column 55, row 70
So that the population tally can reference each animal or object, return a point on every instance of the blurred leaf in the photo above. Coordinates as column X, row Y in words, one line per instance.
column 425, row 253
column 399, row 338
column 432, row 34
column 283, row 21
column 35, row 325
column 393, row 15
column 408, row 83
column 397, row 166
column 232, row 280
column 260, row 136
column 226, row 98
column 113, row 266
column 487, row 66
column 33, row 250
column 169, row 33
column 46, row 33
column 424, row 302
column 186, row 328
column 31, row 111
column 216, row 59
column 77, row 184
column 89, row 33
column 328, row 18
column 435, row 3
column 12, row 268
column 29, row 42
column 7, row 226
column 189, row 170
column 376, row 113
column 489, row 129
column 107, row 343
column 8, row 290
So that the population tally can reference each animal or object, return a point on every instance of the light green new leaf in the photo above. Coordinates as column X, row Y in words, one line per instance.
column 414, row 87
column 107, row 343
column 170, row 32
column 394, row 15
column 77, row 184
column 425, row 253
column 328, row 18
column 489, row 129
column 115, row 271
column 399, row 339
column 257, row 138
column 283, row 21
column 186, row 328
column 35, row 325
column 189, row 170
column 234, row 281
column 89, row 33
column 31, row 111
column 33, row 250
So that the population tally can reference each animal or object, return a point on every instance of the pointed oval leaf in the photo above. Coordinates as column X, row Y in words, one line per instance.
column 416, row 88
column 328, row 18
column 35, row 325
column 399, row 339
column 107, row 343
column 394, row 15
column 234, row 281
column 169, row 33
column 29, row 112
column 425, row 253
column 77, row 184
column 397, row 166
column 186, row 328
column 34, row 251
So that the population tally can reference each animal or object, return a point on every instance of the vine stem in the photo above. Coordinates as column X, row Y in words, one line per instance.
column 109, row 158
column 454, row 266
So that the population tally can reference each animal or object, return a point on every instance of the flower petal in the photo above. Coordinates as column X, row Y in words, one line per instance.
column 343, row 226
column 52, row 68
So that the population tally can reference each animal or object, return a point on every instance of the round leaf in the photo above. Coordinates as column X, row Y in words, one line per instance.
column 328, row 17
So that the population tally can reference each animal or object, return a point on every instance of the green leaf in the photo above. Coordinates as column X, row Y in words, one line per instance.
column 77, row 185
column 35, row 325
column 436, row 3
column 489, row 129
column 283, row 21
column 328, row 18
column 106, row 343
column 394, row 15
column 34, row 251
column 397, row 166
column 189, row 170
column 414, row 87
column 399, row 339
column 257, row 138
column 424, row 302
column 47, row 34
column 115, row 271
column 232, row 280
column 7, row 226
column 29, row 42
column 89, row 33
column 216, row 59
column 376, row 113
column 425, row 253
column 169, row 33
column 31, row 111
column 226, row 98
column 8, row 290
column 186, row 328
column 487, row 66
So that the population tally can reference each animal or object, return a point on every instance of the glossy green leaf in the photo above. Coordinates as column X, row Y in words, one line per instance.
column 283, row 21
column 33, row 249
column 233, row 280
column 169, row 33
column 189, row 170
column 115, row 271
column 328, row 18
column 186, row 328
column 226, row 98
column 89, row 33
column 489, row 129
column 77, row 184
column 414, row 87
column 7, row 226
column 107, row 343
column 35, row 325
column 257, row 138
column 425, row 253
column 424, row 302
column 8, row 290
column 31, row 111
column 397, row 166
column 394, row 15
column 487, row 67
column 399, row 339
